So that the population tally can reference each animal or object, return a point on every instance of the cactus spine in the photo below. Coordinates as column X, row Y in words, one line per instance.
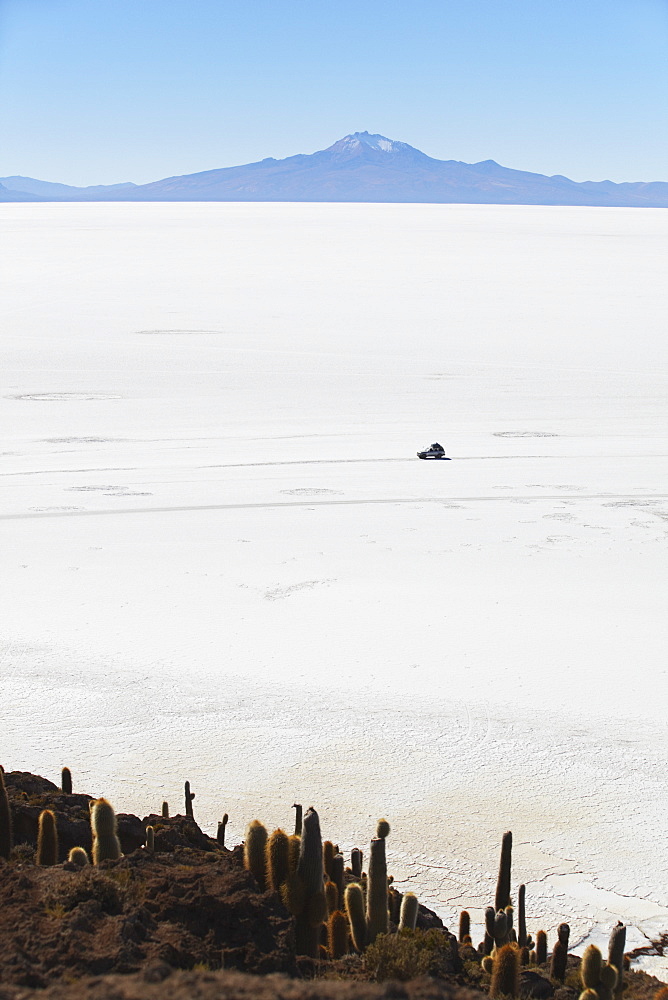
column 6, row 839
column 47, row 839
column 220, row 833
column 464, row 925
column 106, row 845
column 354, row 900
column 66, row 781
column 376, row 900
column 78, row 856
column 409, row 912
column 337, row 935
column 255, row 846
column 616, row 954
column 506, row 972
column 189, row 799
column 502, row 898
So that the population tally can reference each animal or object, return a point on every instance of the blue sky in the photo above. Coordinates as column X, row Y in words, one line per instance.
column 101, row 91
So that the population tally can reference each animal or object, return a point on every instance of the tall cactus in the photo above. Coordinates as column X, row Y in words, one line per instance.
column 541, row 948
column 328, row 857
column 616, row 954
column 502, row 898
column 597, row 977
column 277, row 860
column 501, row 929
column 394, row 904
column 590, row 967
column 409, row 912
column 255, row 846
column 106, row 844
column 294, row 846
column 220, row 832
column 6, row 838
column 356, row 859
column 47, row 839
column 189, row 796
column 490, row 919
column 521, row 917
column 332, row 896
column 464, row 925
column 376, row 903
column 506, row 972
column 354, row 899
column 337, row 935
column 560, row 953
column 66, row 781
column 337, row 876
column 298, row 818
column 310, row 873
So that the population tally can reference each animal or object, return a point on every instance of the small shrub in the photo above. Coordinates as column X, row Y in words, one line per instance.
column 23, row 852
column 407, row 955
column 84, row 887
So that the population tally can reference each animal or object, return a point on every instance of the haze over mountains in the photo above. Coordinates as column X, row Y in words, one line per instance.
column 358, row 168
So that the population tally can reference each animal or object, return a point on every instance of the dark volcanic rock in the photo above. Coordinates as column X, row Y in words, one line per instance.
column 30, row 794
column 532, row 984
column 182, row 908
column 179, row 831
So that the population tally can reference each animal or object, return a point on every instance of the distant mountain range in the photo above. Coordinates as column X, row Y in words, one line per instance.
column 363, row 168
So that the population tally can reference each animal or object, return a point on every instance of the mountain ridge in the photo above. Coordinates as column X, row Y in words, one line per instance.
column 360, row 167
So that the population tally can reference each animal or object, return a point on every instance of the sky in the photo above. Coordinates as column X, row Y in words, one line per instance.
column 106, row 91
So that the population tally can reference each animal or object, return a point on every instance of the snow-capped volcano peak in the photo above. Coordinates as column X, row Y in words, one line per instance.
column 375, row 141
column 356, row 140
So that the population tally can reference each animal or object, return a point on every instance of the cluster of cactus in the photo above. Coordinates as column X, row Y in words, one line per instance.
column 310, row 877
column 599, row 978
column 294, row 866
column 499, row 919
column 370, row 917
column 334, row 918
column 504, row 948
column 504, row 968
column 103, row 828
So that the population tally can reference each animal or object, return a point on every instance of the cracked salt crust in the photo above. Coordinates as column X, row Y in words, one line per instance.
column 426, row 651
